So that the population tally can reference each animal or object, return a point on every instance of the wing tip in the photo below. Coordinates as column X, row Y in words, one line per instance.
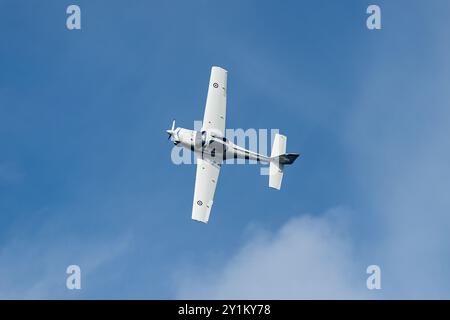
column 219, row 68
column 204, row 221
column 275, row 187
column 200, row 215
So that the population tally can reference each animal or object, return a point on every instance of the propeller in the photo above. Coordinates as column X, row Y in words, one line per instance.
column 171, row 133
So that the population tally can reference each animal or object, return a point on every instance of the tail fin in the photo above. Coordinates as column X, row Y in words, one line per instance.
column 278, row 159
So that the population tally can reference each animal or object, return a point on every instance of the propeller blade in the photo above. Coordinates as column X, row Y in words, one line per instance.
column 171, row 131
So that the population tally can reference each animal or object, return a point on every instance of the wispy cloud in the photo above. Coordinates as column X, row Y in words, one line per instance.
column 309, row 257
column 33, row 260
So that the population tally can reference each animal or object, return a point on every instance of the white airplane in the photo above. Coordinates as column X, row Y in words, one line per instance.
column 212, row 148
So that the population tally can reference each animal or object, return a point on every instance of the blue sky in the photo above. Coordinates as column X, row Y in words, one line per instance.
column 86, row 176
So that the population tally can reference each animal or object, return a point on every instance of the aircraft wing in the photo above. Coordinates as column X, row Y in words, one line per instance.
column 205, row 186
column 216, row 101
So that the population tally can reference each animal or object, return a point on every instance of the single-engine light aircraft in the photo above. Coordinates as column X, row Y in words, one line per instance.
column 212, row 148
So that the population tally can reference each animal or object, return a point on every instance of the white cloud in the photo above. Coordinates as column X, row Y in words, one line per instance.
column 309, row 257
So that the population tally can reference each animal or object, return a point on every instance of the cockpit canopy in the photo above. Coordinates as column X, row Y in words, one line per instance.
column 208, row 139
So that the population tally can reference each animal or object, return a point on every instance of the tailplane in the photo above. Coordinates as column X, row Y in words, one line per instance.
column 278, row 159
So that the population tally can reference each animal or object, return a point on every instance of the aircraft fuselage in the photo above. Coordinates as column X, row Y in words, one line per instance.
column 214, row 146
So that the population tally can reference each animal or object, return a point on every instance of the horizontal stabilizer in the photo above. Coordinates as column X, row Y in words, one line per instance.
column 278, row 159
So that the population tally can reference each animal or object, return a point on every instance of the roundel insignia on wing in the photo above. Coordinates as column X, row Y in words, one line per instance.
column 199, row 202
column 215, row 85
